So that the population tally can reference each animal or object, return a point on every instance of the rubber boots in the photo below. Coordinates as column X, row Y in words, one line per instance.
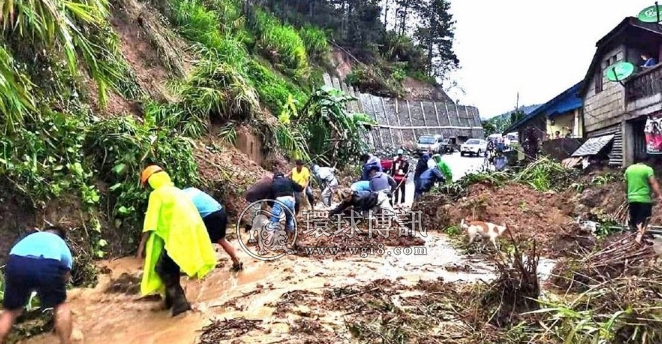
column 179, row 302
column 169, row 272
column 168, row 299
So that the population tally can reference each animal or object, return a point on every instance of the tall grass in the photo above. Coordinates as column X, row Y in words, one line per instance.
column 282, row 45
column 272, row 89
column 315, row 42
column 197, row 23
column 217, row 27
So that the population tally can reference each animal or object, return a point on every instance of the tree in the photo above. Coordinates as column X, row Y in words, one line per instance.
column 403, row 13
column 436, row 35
column 516, row 116
column 488, row 127
column 421, row 36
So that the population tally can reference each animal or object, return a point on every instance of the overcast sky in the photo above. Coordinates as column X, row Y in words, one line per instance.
column 539, row 48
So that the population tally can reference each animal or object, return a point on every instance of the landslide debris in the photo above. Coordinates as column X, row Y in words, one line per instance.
column 542, row 202
column 546, row 217
column 222, row 330
column 227, row 172
column 387, row 311
column 612, row 257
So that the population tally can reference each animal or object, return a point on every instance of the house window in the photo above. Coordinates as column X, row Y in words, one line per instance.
column 598, row 82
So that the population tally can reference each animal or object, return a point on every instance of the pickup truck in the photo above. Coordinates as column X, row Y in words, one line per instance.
column 473, row 147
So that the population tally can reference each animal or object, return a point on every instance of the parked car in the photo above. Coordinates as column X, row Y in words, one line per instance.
column 428, row 143
column 473, row 147
column 448, row 146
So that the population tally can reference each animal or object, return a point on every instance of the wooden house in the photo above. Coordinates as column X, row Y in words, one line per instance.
column 615, row 113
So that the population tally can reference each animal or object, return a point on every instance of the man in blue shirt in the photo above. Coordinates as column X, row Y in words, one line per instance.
column 649, row 61
column 369, row 161
column 363, row 185
column 427, row 180
column 216, row 221
column 500, row 161
column 39, row 262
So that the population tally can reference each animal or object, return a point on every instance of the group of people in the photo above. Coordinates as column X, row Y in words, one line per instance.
column 181, row 224
column 284, row 193
column 428, row 171
column 495, row 157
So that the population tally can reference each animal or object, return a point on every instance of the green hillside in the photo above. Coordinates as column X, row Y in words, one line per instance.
column 91, row 92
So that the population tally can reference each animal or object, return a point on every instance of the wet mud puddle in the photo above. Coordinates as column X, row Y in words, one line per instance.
column 110, row 313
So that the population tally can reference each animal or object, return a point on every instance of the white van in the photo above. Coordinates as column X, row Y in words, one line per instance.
column 429, row 143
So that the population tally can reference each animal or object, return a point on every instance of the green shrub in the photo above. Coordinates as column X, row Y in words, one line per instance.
column 399, row 74
column 273, row 90
column 372, row 80
column 45, row 159
column 201, row 25
column 216, row 90
column 421, row 76
column 122, row 147
column 197, row 23
column 315, row 41
column 282, row 45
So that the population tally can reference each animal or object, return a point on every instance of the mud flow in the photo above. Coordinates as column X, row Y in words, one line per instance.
column 269, row 300
column 447, row 292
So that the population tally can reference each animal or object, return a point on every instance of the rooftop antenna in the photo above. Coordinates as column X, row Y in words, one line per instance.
column 650, row 14
column 619, row 71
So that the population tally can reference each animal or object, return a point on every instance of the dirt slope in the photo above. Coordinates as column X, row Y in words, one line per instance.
column 414, row 89
column 157, row 55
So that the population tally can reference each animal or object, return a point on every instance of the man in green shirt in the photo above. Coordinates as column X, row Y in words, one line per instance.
column 640, row 182
column 443, row 167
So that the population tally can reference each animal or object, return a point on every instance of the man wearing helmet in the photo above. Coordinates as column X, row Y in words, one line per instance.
column 174, row 239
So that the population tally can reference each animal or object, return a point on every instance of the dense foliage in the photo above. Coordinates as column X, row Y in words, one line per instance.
column 393, row 37
column 248, row 66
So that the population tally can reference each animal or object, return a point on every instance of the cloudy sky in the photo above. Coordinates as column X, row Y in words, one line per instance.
column 539, row 48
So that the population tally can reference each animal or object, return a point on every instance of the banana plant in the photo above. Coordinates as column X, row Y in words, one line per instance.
column 333, row 133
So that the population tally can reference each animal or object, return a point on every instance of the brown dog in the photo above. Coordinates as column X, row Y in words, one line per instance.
column 484, row 229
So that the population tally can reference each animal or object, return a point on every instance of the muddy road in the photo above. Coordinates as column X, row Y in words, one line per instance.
column 114, row 313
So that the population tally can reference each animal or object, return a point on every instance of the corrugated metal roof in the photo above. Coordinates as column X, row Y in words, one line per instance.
column 564, row 102
column 569, row 103
column 593, row 146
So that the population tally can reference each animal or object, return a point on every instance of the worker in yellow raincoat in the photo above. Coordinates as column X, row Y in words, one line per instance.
column 174, row 238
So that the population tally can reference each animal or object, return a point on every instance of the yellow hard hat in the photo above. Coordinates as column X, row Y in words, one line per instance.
column 148, row 172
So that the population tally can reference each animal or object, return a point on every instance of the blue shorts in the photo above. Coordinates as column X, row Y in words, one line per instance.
column 23, row 275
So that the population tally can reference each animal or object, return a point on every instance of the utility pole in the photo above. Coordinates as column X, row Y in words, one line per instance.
column 517, row 103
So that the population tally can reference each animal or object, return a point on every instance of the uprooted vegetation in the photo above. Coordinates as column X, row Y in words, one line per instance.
column 604, row 285
column 543, row 201
column 388, row 311
column 616, row 305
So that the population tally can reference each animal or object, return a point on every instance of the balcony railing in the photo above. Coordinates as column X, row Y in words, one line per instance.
column 644, row 84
